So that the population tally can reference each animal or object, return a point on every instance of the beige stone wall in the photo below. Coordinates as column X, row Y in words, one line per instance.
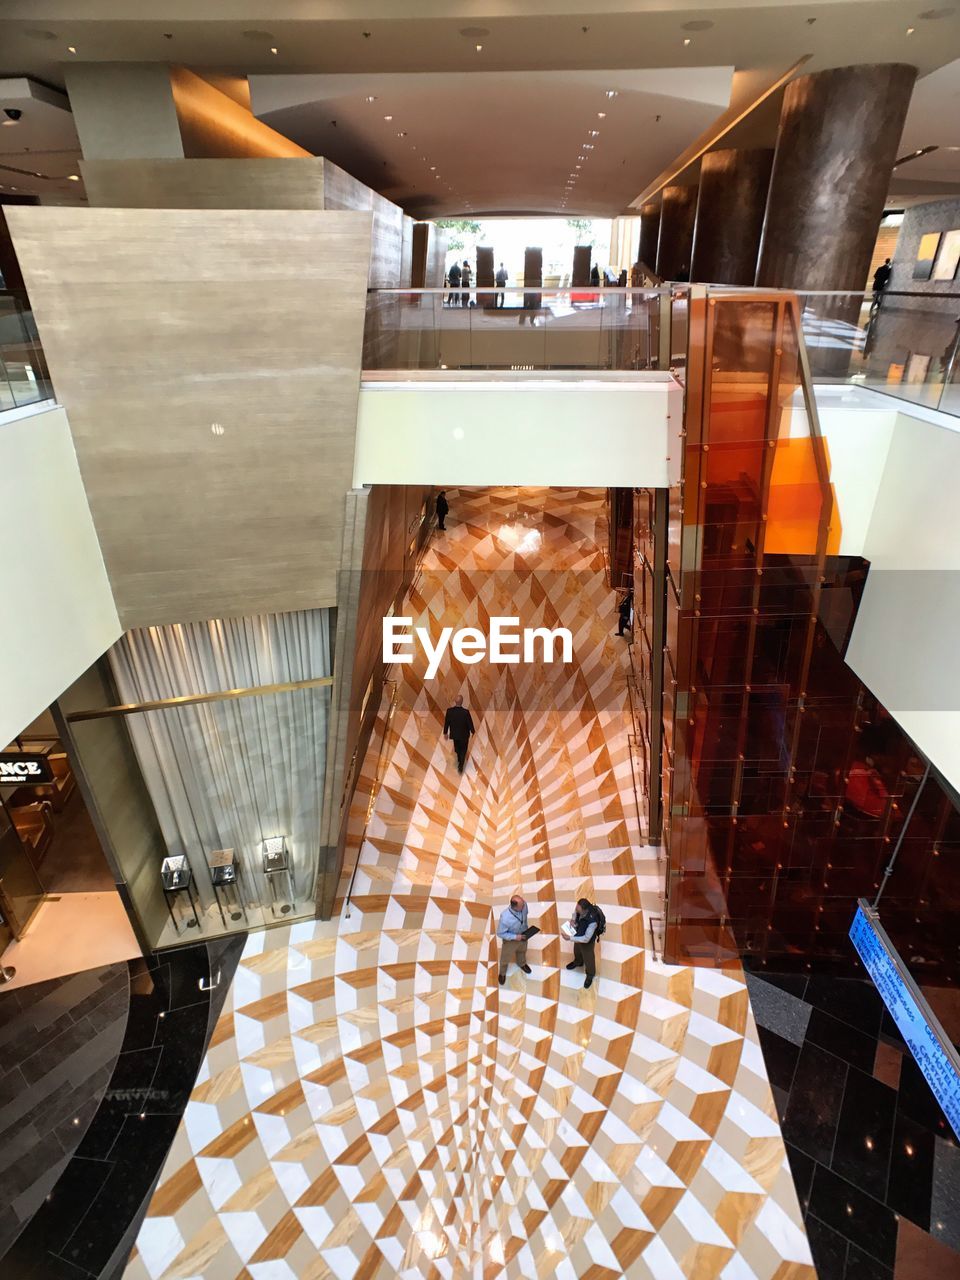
column 209, row 362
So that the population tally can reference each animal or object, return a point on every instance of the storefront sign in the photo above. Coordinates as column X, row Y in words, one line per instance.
column 17, row 767
column 916, row 1021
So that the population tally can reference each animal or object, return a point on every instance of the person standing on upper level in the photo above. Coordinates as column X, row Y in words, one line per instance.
column 501, row 279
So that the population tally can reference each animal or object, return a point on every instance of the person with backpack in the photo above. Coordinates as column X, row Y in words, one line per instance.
column 588, row 923
column 453, row 280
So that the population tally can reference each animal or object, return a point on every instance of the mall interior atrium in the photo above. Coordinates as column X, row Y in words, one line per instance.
column 479, row 771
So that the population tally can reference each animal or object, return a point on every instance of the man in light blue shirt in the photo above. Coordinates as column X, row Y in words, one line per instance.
column 510, row 931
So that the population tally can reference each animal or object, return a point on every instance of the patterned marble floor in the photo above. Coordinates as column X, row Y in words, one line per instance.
column 374, row 1104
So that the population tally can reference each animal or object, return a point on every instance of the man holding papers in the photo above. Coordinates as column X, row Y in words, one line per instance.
column 513, row 932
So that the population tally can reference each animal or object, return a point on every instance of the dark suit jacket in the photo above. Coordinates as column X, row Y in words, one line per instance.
column 458, row 724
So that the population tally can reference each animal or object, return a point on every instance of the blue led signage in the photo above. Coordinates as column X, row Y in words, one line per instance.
column 926, row 1039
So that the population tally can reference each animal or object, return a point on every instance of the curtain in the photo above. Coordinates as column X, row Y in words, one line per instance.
column 227, row 775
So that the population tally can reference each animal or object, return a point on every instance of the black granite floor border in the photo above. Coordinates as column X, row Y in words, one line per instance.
column 87, row 1224
column 875, row 1162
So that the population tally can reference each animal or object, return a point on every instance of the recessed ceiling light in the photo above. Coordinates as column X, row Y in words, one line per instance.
column 8, row 124
column 371, row 97
column 479, row 48
column 273, row 49
column 687, row 40
column 594, row 133
column 578, row 166
column 71, row 48
column 601, row 115
column 611, row 93
column 73, row 177
column 432, row 167
column 910, row 30
column 588, row 146
column 402, row 133
column 388, row 117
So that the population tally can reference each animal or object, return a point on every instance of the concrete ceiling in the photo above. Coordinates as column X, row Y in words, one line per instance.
column 503, row 137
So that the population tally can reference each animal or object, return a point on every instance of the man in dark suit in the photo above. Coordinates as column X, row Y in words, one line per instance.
column 458, row 725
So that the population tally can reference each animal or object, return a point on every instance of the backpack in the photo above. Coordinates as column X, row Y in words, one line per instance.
column 601, row 921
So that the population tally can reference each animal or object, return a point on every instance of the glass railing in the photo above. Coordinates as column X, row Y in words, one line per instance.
column 905, row 345
column 517, row 329
column 24, row 378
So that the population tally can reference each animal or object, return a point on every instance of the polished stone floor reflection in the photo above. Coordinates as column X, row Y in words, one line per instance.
column 374, row 1104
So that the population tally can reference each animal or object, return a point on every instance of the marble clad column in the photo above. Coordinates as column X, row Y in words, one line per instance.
column 582, row 257
column 837, row 141
column 649, row 234
column 532, row 277
column 485, row 276
column 730, row 208
column 677, row 214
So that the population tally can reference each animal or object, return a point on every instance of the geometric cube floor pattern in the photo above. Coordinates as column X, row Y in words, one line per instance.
column 374, row 1104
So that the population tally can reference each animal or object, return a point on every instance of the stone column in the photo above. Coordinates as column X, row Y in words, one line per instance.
column 837, row 141
column 532, row 277
column 582, row 258
column 730, row 208
column 649, row 234
column 485, row 276
column 677, row 214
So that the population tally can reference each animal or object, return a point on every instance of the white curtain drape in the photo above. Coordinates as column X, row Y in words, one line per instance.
column 231, row 774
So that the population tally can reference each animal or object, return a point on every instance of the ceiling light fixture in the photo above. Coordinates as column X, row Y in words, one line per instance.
column 71, row 48
column 594, row 133
column 370, row 98
column 910, row 30
column 388, row 117
column 273, row 49
column 601, row 115
column 73, row 177
column 479, row 48
column 687, row 40
column 402, row 133
column 610, row 93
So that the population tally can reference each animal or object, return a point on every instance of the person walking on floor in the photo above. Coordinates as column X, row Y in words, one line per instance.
column 466, row 275
column 511, row 931
column 501, row 281
column 588, row 924
column 453, row 279
column 458, row 726
column 443, row 506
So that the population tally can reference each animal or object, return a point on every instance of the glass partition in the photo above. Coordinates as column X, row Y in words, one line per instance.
column 23, row 372
column 902, row 344
column 604, row 329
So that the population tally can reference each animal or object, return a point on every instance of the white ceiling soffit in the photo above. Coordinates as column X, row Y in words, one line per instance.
column 39, row 148
column 932, row 121
column 498, row 141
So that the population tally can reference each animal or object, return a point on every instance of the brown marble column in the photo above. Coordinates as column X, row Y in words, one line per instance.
column 649, row 234
column 485, row 276
column 730, row 208
column 838, row 138
column 582, row 258
column 677, row 214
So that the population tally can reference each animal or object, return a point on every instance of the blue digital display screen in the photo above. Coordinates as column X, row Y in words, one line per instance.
column 926, row 1040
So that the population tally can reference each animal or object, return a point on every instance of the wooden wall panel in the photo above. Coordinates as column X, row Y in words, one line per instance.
column 209, row 362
